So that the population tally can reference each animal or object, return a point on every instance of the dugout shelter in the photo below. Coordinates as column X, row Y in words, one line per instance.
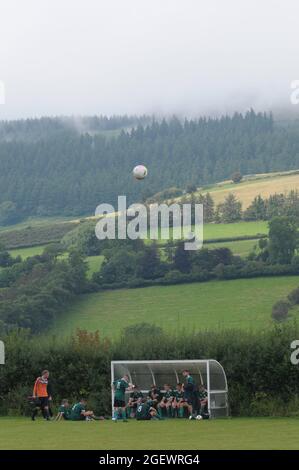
column 208, row 372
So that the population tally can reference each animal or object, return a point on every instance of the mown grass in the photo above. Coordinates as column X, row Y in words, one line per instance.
column 223, row 434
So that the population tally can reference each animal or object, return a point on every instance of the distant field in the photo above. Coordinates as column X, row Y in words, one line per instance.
column 236, row 433
column 247, row 190
column 218, row 231
column 27, row 252
column 239, row 248
column 237, row 229
column 94, row 264
column 243, row 303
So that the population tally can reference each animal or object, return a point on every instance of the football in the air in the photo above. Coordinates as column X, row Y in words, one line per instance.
column 140, row 172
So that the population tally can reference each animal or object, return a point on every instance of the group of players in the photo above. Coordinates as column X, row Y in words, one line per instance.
column 41, row 400
column 186, row 399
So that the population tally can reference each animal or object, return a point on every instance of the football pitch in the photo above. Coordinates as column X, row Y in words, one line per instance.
column 222, row 434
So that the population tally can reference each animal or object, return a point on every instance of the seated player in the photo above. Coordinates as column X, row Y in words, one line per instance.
column 166, row 401
column 154, row 395
column 79, row 412
column 132, row 403
column 203, row 400
column 179, row 403
column 145, row 410
column 120, row 386
column 64, row 411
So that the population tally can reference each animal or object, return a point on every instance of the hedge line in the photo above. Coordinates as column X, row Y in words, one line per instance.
column 261, row 378
column 221, row 272
column 35, row 235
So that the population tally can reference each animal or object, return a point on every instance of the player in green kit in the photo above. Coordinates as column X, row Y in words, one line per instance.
column 179, row 403
column 120, row 386
column 190, row 393
column 203, row 400
column 132, row 403
column 79, row 412
column 166, row 402
column 64, row 411
column 145, row 411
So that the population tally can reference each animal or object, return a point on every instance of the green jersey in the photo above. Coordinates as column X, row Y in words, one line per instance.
column 135, row 395
column 202, row 394
column 179, row 394
column 154, row 394
column 120, row 387
column 76, row 412
column 65, row 411
column 189, row 385
column 143, row 411
column 168, row 394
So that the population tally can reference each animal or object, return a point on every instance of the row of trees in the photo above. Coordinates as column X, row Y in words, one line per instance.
column 132, row 262
column 33, row 292
column 52, row 168
column 230, row 210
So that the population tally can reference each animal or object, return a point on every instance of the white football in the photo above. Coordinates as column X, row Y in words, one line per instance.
column 198, row 417
column 140, row 172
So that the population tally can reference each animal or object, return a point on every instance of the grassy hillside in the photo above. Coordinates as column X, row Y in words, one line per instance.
column 265, row 185
column 244, row 303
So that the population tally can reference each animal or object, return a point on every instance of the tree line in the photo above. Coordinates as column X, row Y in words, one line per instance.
column 133, row 263
column 230, row 210
column 51, row 167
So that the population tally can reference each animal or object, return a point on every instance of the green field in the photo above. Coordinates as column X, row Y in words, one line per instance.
column 27, row 252
column 243, row 303
column 239, row 248
column 94, row 264
column 238, row 229
column 251, row 186
column 218, row 231
column 236, row 433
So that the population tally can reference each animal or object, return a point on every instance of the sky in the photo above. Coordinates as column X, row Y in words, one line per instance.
column 189, row 57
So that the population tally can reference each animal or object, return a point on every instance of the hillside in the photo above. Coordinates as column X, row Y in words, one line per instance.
column 264, row 185
column 61, row 168
column 244, row 303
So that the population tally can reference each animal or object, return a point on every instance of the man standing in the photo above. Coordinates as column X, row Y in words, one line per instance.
column 120, row 386
column 190, row 393
column 41, row 396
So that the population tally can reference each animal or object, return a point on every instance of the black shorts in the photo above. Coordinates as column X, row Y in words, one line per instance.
column 43, row 402
column 144, row 418
column 119, row 403
column 189, row 399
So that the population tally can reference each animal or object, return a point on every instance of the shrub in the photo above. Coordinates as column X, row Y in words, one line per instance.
column 293, row 297
column 237, row 177
column 142, row 330
column 280, row 310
